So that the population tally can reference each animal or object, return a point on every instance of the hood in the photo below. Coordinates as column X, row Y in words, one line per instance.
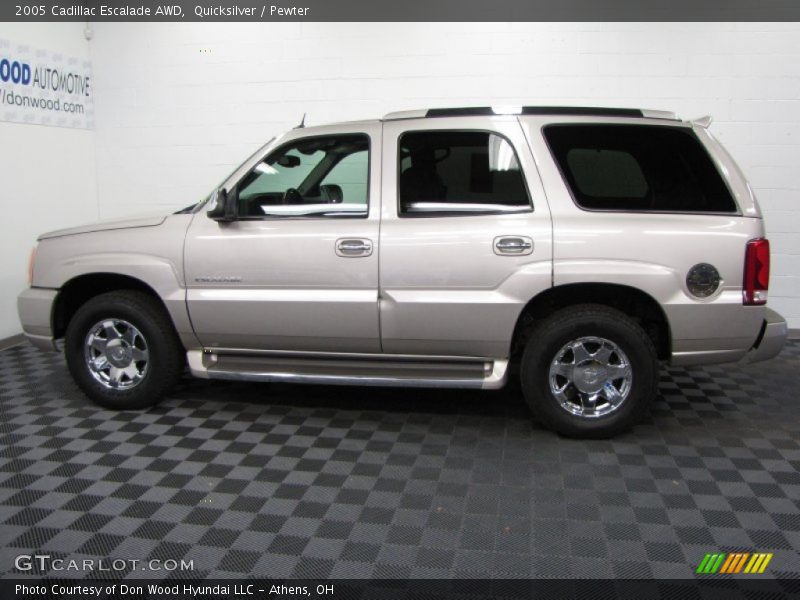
column 129, row 223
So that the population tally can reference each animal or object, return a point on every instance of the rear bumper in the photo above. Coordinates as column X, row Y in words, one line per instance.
column 771, row 339
column 35, row 307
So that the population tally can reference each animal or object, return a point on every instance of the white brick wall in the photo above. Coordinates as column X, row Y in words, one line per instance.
column 172, row 120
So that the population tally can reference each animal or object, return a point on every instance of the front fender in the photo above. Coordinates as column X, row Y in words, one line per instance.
column 153, row 256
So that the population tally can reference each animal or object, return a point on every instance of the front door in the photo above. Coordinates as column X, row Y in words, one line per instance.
column 298, row 269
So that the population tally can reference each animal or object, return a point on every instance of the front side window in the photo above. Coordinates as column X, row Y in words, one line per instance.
column 312, row 177
column 638, row 168
column 459, row 172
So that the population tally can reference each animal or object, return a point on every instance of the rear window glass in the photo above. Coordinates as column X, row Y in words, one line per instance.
column 638, row 168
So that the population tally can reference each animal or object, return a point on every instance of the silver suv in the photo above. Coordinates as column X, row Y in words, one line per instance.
column 572, row 247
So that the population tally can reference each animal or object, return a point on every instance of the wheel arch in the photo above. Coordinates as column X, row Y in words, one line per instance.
column 635, row 303
column 82, row 288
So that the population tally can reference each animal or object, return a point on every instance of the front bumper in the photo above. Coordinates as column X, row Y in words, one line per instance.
column 35, row 307
column 771, row 339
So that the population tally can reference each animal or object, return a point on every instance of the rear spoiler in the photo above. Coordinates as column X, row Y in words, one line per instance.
column 704, row 122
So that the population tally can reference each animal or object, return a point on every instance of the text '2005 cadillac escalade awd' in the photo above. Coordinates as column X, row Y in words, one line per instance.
column 573, row 247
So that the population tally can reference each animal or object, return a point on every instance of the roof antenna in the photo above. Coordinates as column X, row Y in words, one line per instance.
column 302, row 122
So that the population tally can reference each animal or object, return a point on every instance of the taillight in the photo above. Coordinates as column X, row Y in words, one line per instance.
column 756, row 272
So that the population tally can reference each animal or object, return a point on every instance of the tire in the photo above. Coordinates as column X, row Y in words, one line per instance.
column 570, row 359
column 148, row 359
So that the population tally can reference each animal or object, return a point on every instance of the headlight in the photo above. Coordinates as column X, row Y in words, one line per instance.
column 31, row 261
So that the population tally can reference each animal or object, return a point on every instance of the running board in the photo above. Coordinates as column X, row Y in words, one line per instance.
column 352, row 369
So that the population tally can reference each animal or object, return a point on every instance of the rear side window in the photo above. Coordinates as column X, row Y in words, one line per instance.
column 638, row 168
column 459, row 172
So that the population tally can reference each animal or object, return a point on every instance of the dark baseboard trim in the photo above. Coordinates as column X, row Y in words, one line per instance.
column 14, row 340
column 794, row 334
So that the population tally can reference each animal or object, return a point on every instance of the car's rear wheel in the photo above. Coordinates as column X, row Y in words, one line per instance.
column 122, row 350
column 589, row 371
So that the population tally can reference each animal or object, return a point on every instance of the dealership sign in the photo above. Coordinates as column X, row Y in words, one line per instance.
column 45, row 88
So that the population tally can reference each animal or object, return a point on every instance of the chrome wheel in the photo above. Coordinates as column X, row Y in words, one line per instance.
column 116, row 354
column 590, row 377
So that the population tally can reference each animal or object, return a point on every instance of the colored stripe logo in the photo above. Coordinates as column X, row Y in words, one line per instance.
column 734, row 562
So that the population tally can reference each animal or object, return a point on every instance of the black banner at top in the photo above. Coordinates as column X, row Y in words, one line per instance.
column 399, row 10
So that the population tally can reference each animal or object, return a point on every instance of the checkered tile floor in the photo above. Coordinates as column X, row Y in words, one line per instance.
column 316, row 482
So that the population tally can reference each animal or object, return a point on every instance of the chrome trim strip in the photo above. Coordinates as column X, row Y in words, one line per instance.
column 466, row 207
column 346, row 380
column 348, row 355
column 312, row 209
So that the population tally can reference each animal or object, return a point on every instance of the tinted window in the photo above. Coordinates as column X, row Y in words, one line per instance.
column 457, row 172
column 319, row 176
column 638, row 168
column 352, row 176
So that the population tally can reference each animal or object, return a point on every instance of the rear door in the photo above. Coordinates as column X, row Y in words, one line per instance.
column 465, row 235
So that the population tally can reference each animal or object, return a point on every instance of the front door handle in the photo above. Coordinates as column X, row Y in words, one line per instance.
column 353, row 247
column 513, row 245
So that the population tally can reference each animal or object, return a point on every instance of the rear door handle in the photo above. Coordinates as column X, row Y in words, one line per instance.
column 353, row 247
column 513, row 245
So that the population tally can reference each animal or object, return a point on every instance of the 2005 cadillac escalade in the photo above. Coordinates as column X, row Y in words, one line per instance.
column 575, row 247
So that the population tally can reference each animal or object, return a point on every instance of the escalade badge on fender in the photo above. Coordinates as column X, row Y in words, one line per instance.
column 231, row 279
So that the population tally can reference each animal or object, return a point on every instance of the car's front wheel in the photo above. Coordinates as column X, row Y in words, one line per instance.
column 122, row 350
column 589, row 371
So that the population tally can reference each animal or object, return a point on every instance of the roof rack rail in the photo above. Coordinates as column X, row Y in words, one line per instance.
column 476, row 111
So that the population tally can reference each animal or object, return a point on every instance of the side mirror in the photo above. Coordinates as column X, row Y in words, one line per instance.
column 223, row 206
column 331, row 193
column 289, row 161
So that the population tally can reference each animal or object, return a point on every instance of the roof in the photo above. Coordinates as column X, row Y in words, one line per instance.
column 585, row 111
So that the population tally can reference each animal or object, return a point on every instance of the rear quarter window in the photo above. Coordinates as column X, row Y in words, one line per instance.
column 638, row 168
